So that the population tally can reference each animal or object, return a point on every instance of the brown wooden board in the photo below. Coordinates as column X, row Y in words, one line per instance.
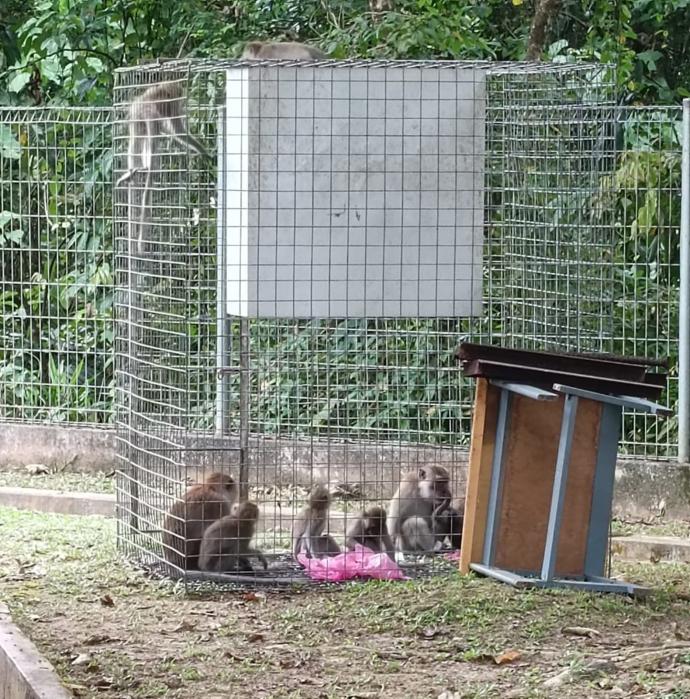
column 545, row 378
column 529, row 468
column 479, row 473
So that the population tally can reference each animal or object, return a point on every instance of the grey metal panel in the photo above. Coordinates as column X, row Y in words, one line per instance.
column 602, row 490
column 496, row 486
column 559, row 487
column 630, row 402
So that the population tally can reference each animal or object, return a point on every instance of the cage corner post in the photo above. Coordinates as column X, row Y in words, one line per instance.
column 684, row 310
column 223, row 326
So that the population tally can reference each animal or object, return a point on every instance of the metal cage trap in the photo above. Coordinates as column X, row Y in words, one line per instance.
column 289, row 305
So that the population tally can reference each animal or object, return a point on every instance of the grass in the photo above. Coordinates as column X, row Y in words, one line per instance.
column 679, row 528
column 113, row 632
column 66, row 481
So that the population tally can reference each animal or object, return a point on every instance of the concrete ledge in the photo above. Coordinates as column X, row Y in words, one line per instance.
column 83, row 449
column 671, row 549
column 24, row 672
column 58, row 502
column 644, row 489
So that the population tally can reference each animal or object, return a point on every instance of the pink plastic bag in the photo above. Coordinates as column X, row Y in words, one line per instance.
column 362, row 563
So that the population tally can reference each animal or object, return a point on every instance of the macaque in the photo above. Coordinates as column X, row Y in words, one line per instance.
column 281, row 49
column 422, row 496
column 190, row 516
column 227, row 543
column 448, row 525
column 158, row 111
column 369, row 529
column 308, row 527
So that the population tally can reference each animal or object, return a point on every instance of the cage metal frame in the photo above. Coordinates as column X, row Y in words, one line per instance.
column 563, row 105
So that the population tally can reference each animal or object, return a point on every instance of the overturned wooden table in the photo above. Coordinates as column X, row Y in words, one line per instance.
column 545, row 436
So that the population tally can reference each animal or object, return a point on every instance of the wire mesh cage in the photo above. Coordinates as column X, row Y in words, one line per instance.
column 297, row 260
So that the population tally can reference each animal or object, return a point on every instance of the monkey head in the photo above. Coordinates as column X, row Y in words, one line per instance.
column 247, row 512
column 319, row 497
column 221, row 481
column 434, row 484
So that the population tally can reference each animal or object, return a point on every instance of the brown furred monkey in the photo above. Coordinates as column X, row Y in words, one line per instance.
column 281, row 49
column 190, row 516
column 369, row 529
column 227, row 543
column 307, row 529
column 158, row 111
column 422, row 495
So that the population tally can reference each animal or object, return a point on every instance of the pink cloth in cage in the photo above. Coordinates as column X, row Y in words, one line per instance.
column 360, row 563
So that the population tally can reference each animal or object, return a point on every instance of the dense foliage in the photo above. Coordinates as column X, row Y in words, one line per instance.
column 61, row 52
column 67, row 49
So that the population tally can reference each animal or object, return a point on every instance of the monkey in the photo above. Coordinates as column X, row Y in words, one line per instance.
column 190, row 516
column 281, row 49
column 158, row 110
column 422, row 496
column 226, row 543
column 307, row 529
column 448, row 525
column 369, row 529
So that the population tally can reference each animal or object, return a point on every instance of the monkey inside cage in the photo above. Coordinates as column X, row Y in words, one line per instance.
column 300, row 247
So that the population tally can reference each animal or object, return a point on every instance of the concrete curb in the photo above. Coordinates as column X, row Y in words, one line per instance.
column 670, row 549
column 24, row 672
column 58, row 502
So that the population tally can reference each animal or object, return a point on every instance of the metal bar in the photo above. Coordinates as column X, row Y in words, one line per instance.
column 505, row 576
column 605, row 365
column 684, row 310
column 630, row 402
column 522, row 389
column 587, row 584
column 244, row 409
column 560, row 481
column 602, row 490
column 222, row 359
column 496, row 487
column 538, row 376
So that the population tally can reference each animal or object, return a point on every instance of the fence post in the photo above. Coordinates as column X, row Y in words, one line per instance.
column 684, row 312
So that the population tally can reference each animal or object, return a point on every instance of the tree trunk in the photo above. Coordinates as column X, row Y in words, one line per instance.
column 545, row 11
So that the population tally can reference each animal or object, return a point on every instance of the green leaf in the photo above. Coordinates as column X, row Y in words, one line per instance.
column 9, row 146
column 19, row 81
column 7, row 216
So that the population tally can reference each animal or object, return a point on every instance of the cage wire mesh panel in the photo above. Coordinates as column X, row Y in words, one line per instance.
column 285, row 403
column 56, row 285
column 589, row 224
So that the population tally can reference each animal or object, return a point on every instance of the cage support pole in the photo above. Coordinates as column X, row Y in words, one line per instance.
column 132, row 338
column 244, row 409
column 222, row 329
column 684, row 311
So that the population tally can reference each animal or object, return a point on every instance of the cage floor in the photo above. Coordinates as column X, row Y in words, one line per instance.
column 283, row 571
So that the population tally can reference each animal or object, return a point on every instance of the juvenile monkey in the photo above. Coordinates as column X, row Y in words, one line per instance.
column 190, row 516
column 227, row 543
column 369, row 529
column 159, row 110
column 307, row 529
column 448, row 525
column 281, row 49
column 422, row 496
